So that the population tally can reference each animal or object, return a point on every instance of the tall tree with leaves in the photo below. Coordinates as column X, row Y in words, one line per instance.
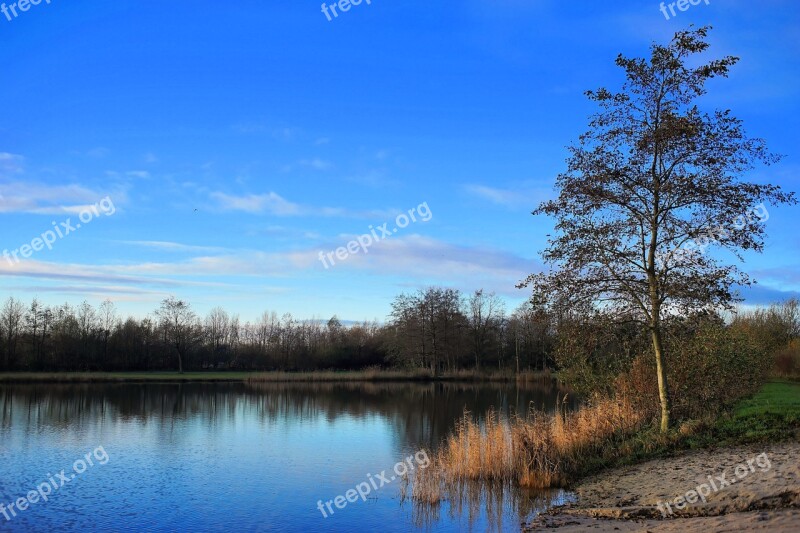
column 654, row 174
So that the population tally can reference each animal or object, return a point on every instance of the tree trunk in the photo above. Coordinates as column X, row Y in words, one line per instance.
column 661, row 371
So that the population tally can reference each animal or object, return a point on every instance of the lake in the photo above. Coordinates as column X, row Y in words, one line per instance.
column 245, row 457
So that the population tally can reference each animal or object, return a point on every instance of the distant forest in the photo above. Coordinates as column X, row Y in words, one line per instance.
column 436, row 329
column 439, row 329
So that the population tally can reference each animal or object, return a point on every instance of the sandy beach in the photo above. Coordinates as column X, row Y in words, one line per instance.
column 763, row 494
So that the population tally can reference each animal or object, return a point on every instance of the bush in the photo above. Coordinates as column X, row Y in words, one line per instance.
column 591, row 352
column 787, row 361
column 709, row 367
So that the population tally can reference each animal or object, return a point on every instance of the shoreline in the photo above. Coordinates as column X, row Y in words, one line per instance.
column 368, row 376
column 628, row 498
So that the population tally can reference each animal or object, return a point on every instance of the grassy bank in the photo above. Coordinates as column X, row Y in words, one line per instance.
column 771, row 415
column 544, row 450
column 369, row 375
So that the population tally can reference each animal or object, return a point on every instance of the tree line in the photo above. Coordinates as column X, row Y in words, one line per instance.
column 438, row 329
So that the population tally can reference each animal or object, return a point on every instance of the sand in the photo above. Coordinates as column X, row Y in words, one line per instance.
column 765, row 496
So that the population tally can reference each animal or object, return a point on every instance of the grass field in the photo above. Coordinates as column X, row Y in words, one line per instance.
column 772, row 414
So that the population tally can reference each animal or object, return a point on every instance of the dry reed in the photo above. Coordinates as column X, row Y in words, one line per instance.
column 539, row 451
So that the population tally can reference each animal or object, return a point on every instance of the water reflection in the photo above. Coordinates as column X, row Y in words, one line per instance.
column 420, row 414
column 503, row 506
column 305, row 440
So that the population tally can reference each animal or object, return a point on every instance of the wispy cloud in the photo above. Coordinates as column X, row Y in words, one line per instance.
column 141, row 174
column 137, row 174
column 429, row 260
column 167, row 246
column 415, row 259
column 286, row 233
column 274, row 204
column 787, row 276
column 10, row 163
column 762, row 295
column 80, row 272
column 98, row 291
column 21, row 197
column 271, row 203
column 316, row 163
column 513, row 198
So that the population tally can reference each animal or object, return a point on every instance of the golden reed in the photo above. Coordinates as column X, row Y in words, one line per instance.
column 539, row 451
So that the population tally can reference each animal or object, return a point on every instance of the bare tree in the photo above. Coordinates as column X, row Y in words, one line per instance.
column 87, row 326
column 38, row 321
column 11, row 326
column 107, row 317
column 484, row 313
column 178, row 321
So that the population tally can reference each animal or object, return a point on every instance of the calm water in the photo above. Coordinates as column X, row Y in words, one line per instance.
column 208, row 457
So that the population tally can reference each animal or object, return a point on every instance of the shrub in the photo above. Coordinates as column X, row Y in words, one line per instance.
column 709, row 367
column 787, row 361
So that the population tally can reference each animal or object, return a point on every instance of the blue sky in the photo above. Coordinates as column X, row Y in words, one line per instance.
column 237, row 140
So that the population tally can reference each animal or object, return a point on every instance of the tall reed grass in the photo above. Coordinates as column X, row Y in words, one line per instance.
column 539, row 450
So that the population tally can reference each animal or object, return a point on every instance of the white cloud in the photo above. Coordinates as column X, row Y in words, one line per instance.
column 138, row 174
column 523, row 197
column 271, row 203
column 78, row 272
column 274, row 204
column 20, row 197
column 428, row 260
column 175, row 246
column 414, row 259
